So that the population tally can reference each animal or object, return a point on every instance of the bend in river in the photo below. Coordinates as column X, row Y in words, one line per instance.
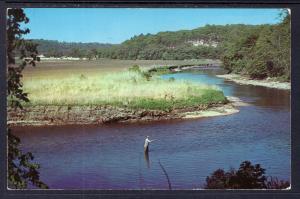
column 111, row 156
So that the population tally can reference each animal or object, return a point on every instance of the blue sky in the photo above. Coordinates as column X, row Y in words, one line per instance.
column 115, row 25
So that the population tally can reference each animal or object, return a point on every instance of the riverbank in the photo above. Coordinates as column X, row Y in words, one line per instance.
column 64, row 115
column 247, row 81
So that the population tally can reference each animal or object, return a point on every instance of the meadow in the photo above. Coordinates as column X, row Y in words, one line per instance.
column 116, row 84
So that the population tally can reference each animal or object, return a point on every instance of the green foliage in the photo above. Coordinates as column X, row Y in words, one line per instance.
column 248, row 176
column 21, row 170
column 146, row 75
column 160, row 70
column 261, row 52
column 208, row 97
column 135, row 68
column 25, row 49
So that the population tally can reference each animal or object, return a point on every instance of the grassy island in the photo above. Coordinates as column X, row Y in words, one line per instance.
column 126, row 94
column 134, row 89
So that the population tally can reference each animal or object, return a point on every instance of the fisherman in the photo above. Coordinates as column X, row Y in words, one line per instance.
column 146, row 145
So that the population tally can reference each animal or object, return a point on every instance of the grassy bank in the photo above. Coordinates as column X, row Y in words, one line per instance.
column 131, row 89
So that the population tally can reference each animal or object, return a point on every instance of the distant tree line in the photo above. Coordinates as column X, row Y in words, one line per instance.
column 52, row 48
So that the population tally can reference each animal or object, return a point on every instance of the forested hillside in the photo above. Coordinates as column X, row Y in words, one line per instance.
column 204, row 42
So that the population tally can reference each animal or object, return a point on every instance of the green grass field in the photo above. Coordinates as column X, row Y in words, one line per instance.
column 117, row 86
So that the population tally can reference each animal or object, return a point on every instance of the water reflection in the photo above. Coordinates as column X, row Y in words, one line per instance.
column 146, row 156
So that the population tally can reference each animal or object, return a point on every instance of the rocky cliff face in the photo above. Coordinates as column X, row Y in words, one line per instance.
column 202, row 42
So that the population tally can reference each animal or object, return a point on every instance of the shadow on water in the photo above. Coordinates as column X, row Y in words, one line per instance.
column 147, row 160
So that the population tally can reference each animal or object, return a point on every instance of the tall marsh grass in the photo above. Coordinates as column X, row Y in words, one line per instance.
column 124, row 89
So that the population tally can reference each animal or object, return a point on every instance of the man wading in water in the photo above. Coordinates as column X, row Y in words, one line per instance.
column 146, row 145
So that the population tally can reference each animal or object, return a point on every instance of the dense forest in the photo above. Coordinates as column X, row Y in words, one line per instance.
column 259, row 51
column 204, row 42
column 52, row 48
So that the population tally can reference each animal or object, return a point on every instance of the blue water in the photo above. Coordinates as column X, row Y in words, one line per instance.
column 111, row 156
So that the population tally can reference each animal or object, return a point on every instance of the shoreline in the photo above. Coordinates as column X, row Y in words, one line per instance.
column 193, row 67
column 98, row 115
column 265, row 83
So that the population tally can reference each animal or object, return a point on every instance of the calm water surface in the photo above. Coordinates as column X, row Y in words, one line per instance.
column 111, row 156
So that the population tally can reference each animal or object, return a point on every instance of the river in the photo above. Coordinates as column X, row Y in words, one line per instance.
column 111, row 156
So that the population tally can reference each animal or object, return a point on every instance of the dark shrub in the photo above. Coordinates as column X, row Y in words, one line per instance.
column 247, row 177
column 135, row 68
